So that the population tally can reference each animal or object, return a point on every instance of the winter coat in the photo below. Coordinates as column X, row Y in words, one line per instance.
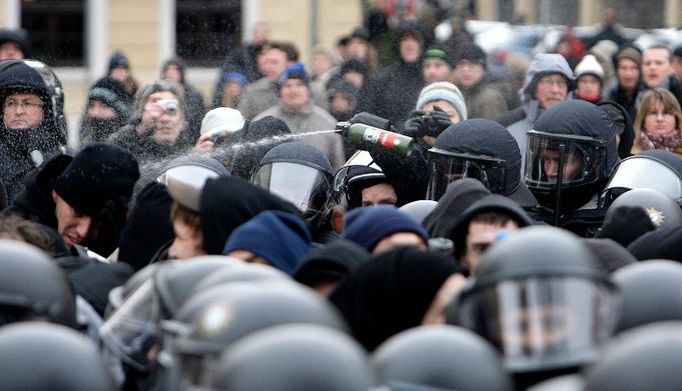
column 396, row 91
column 312, row 119
column 258, row 97
column 22, row 150
column 145, row 148
column 483, row 101
column 196, row 109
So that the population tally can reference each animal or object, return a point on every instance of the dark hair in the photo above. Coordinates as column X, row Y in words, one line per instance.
column 497, row 217
column 287, row 47
column 186, row 216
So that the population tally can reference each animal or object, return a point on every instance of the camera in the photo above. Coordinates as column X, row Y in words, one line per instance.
column 170, row 106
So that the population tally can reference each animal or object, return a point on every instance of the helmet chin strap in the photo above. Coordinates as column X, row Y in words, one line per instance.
column 559, row 183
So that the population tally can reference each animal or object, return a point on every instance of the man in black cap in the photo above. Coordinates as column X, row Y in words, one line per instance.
column 108, row 109
column 85, row 198
column 677, row 62
column 14, row 44
column 481, row 98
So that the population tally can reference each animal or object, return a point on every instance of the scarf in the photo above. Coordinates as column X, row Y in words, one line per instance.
column 668, row 141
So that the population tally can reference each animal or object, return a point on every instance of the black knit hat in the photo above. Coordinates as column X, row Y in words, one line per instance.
column 473, row 53
column 113, row 93
column 118, row 60
column 98, row 173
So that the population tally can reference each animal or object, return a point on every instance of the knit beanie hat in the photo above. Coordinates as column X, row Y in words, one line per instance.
column 369, row 225
column 473, row 53
column 439, row 53
column 221, row 119
column 98, row 173
column 112, row 93
column 118, row 60
column 236, row 77
column 294, row 71
column 333, row 261
column 629, row 53
column 446, row 91
column 281, row 238
column 589, row 66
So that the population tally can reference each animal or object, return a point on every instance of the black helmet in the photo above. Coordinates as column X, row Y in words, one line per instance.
column 645, row 286
column 579, row 137
column 654, row 169
column 216, row 317
column 32, row 286
column 300, row 174
column 132, row 328
column 541, row 298
column 239, row 273
column 43, row 356
column 663, row 211
column 359, row 172
column 292, row 358
column 440, row 358
column 647, row 358
column 477, row 148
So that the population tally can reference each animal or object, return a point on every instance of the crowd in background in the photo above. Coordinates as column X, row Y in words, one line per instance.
column 398, row 212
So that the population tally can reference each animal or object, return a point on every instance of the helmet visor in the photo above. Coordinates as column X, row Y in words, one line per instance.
column 553, row 158
column 131, row 329
column 639, row 172
column 304, row 186
column 542, row 323
column 445, row 168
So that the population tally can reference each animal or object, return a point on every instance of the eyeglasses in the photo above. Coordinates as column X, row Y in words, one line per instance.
column 559, row 81
column 14, row 105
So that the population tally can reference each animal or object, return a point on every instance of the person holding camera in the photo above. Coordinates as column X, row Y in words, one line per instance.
column 158, row 128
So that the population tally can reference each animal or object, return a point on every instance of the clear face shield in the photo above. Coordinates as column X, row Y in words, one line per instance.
column 447, row 167
column 560, row 160
column 542, row 323
column 130, row 331
column 308, row 188
column 642, row 172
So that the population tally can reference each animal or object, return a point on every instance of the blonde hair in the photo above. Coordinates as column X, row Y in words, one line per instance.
column 670, row 105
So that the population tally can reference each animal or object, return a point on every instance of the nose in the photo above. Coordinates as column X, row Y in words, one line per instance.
column 551, row 168
column 83, row 227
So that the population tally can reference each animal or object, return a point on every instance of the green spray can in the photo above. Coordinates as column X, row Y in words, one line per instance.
column 367, row 134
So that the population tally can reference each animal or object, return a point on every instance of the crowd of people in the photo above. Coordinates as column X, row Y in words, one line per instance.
column 350, row 224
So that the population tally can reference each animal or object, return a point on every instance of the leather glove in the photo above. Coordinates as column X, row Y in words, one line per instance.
column 415, row 126
column 436, row 122
column 110, row 222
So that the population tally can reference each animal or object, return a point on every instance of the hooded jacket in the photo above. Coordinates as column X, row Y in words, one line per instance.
column 391, row 293
column 398, row 85
column 228, row 202
column 22, row 150
column 457, row 198
column 521, row 120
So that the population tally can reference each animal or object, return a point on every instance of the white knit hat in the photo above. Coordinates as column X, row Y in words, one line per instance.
column 589, row 66
column 221, row 119
column 446, row 91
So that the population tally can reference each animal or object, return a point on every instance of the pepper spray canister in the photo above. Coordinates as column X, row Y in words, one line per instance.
column 367, row 134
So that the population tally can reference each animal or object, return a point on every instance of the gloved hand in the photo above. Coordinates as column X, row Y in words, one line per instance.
column 415, row 126
column 109, row 224
column 436, row 122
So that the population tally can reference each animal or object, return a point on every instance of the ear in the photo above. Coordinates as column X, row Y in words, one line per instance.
column 338, row 221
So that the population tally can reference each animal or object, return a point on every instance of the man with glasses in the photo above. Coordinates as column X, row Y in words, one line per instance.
column 31, row 121
column 548, row 82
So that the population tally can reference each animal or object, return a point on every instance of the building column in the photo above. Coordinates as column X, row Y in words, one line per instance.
column 527, row 8
column 97, row 37
column 12, row 14
column 251, row 14
column 487, row 10
column 590, row 12
column 672, row 13
column 167, row 34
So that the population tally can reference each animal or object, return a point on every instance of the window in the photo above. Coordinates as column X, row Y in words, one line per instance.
column 56, row 32
column 206, row 30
